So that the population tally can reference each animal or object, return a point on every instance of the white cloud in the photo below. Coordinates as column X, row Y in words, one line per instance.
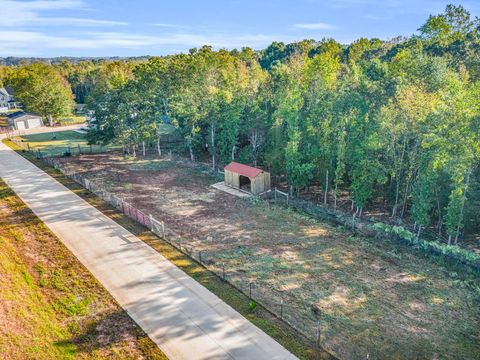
column 78, row 22
column 314, row 26
column 15, row 43
column 172, row 26
column 28, row 13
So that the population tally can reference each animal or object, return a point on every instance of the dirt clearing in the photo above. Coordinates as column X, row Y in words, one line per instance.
column 370, row 296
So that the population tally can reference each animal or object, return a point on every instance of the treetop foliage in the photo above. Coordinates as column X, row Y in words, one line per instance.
column 393, row 122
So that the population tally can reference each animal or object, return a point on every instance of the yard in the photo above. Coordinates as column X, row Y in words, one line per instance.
column 58, row 143
column 370, row 296
column 51, row 307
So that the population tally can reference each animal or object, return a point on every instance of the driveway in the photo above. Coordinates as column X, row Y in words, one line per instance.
column 180, row 315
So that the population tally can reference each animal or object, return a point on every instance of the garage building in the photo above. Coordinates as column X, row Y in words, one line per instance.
column 21, row 120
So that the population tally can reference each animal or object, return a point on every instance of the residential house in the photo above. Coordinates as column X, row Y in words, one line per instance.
column 7, row 101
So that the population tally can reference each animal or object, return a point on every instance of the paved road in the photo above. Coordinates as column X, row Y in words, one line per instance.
column 180, row 315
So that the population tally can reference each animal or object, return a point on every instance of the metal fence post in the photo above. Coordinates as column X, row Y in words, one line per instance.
column 250, row 289
column 200, row 256
column 281, row 309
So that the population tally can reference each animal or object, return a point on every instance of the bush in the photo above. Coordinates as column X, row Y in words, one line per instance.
column 452, row 251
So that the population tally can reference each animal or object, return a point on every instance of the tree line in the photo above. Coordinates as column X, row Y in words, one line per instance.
column 396, row 121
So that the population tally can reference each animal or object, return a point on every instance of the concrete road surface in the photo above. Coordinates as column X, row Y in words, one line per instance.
column 180, row 315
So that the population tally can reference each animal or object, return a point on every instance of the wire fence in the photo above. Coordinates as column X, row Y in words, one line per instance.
column 168, row 141
column 318, row 328
column 68, row 150
column 427, row 243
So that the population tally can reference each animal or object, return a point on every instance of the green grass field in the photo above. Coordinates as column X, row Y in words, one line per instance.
column 72, row 119
column 58, row 143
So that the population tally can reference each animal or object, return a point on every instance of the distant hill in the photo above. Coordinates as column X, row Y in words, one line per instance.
column 13, row 60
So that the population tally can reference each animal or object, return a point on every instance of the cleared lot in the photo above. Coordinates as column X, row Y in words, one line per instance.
column 370, row 295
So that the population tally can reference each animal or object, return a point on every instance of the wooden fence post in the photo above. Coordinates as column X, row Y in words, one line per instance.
column 151, row 221
column 318, row 334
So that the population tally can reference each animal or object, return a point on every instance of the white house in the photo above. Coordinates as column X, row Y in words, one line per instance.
column 6, row 100
column 21, row 120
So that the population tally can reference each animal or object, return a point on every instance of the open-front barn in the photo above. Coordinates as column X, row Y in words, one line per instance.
column 247, row 178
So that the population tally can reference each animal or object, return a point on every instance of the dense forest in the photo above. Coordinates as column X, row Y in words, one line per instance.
column 395, row 120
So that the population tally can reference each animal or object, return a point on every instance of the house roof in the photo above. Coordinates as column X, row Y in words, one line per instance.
column 22, row 115
column 4, row 91
column 15, row 114
column 242, row 169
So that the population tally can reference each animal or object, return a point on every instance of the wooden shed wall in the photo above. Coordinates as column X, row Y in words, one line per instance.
column 261, row 183
column 232, row 179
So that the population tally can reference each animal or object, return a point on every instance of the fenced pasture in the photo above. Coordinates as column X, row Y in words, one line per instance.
column 74, row 143
column 352, row 294
column 59, row 143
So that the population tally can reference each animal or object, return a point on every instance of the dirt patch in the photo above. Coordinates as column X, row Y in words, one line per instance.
column 369, row 295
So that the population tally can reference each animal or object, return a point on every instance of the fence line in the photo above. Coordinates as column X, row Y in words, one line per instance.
column 306, row 318
column 296, row 313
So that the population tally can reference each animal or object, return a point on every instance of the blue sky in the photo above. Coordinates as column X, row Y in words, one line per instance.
column 147, row 27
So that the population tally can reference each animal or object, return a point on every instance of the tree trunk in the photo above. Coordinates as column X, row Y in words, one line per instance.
column 325, row 197
column 335, row 197
column 419, row 230
column 212, row 134
column 233, row 152
column 159, row 150
column 464, row 198
column 404, row 206
column 190, row 149
column 439, row 211
column 143, row 148
column 397, row 190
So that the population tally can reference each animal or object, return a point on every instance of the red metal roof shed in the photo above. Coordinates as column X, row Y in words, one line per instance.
column 243, row 170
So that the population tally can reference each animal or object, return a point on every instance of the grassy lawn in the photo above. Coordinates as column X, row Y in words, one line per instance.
column 285, row 335
column 51, row 307
column 72, row 119
column 57, row 143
